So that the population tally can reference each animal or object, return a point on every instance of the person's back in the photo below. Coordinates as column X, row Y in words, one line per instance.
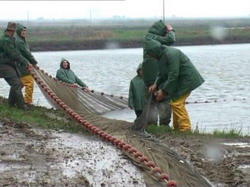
column 187, row 79
column 137, row 93
column 177, row 78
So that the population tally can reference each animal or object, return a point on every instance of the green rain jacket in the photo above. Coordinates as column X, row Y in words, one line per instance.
column 9, row 55
column 159, row 33
column 137, row 92
column 68, row 76
column 24, row 49
column 177, row 75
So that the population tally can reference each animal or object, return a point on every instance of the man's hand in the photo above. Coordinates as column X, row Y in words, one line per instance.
column 30, row 67
column 169, row 28
column 152, row 88
column 86, row 89
column 160, row 95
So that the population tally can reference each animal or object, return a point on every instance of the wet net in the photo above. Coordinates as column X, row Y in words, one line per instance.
column 90, row 105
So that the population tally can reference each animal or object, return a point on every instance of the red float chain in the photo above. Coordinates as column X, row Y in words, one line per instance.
column 214, row 101
column 138, row 156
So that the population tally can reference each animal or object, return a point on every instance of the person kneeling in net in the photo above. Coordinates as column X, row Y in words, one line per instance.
column 65, row 74
column 137, row 93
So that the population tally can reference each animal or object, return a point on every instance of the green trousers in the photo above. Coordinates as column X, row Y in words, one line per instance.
column 15, row 95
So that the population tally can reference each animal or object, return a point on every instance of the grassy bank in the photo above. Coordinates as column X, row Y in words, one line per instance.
column 40, row 117
column 81, row 34
column 59, row 120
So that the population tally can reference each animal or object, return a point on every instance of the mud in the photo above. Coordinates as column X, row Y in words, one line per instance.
column 224, row 162
column 36, row 157
column 31, row 156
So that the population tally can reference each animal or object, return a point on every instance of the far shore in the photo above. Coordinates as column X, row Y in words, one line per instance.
column 65, row 35
column 103, row 44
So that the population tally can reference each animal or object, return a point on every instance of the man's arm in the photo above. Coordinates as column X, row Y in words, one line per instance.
column 10, row 49
column 24, row 50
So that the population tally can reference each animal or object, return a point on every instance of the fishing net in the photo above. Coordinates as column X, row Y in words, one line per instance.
column 90, row 105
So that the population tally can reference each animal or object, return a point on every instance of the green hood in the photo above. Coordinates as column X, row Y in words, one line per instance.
column 61, row 64
column 153, row 48
column 19, row 29
column 139, row 67
column 158, row 28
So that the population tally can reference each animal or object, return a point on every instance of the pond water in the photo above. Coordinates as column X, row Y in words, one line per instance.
column 225, row 69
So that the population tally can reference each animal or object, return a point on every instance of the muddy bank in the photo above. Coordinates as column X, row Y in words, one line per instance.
column 36, row 157
column 31, row 156
column 225, row 162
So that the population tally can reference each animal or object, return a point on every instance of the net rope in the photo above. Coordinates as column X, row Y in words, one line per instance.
column 90, row 105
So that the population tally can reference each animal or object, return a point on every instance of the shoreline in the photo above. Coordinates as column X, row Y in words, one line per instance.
column 107, row 44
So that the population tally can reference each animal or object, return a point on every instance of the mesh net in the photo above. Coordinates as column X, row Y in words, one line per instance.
column 91, row 105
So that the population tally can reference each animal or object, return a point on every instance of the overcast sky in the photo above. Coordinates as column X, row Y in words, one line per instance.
column 16, row 10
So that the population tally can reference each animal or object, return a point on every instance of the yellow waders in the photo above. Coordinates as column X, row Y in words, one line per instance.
column 28, row 82
column 181, row 120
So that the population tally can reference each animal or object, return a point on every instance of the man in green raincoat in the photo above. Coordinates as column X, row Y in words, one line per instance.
column 65, row 74
column 177, row 78
column 9, row 57
column 26, row 77
column 165, row 35
column 137, row 93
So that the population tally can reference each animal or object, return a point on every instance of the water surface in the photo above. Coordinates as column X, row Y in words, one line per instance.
column 225, row 69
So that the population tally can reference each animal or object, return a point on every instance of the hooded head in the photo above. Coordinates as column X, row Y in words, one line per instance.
column 152, row 48
column 20, row 29
column 62, row 61
column 158, row 28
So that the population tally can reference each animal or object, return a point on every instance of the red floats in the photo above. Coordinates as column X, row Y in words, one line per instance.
column 138, row 154
column 126, row 146
column 151, row 164
column 157, row 170
column 171, row 184
column 121, row 144
column 164, row 176
column 108, row 137
column 132, row 150
column 117, row 142
column 113, row 139
column 144, row 159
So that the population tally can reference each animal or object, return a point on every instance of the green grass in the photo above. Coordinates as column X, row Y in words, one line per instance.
column 40, row 117
column 232, row 133
column 58, row 120
column 164, row 130
column 159, row 130
column 79, row 34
